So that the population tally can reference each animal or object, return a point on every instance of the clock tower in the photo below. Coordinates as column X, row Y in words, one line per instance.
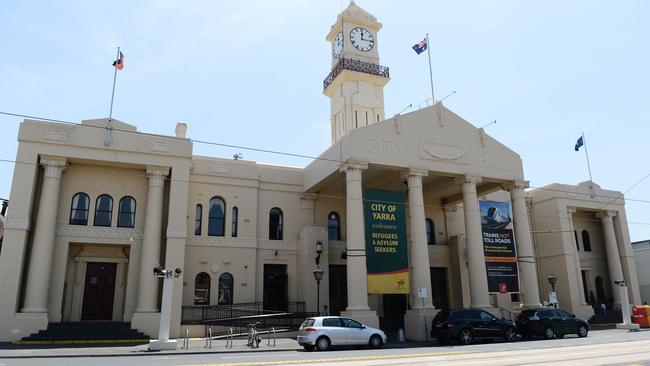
column 356, row 81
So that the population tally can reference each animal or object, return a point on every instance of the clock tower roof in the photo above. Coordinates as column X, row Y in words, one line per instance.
column 354, row 14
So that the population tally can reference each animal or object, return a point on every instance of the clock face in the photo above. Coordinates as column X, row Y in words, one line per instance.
column 362, row 39
column 337, row 45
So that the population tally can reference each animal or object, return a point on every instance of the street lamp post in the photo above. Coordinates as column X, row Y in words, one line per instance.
column 163, row 342
column 318, row 276
column 552, row 280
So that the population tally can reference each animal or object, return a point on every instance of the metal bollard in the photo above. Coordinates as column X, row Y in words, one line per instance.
column 268, row 339
column 229, row 339
column 186, row 340
column 208, row 340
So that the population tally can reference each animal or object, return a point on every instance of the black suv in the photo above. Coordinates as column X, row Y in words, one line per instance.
column 466, row 325
column 550, row 323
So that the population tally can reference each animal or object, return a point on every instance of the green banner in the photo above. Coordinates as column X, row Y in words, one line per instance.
column 386, row 255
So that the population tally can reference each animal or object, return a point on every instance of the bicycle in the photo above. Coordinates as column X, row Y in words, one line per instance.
column 254, row 338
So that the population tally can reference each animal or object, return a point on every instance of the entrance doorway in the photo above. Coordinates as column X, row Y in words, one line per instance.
column 394, row 306
column 99, row 291
column 338, row 289
column 439, row 293
column 275, row 287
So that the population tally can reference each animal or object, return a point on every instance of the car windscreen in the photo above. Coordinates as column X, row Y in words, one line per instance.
column 307, row 323
column 526, row 314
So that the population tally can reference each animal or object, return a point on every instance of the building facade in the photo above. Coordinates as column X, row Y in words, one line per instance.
column 95, row 206
column 642, row 260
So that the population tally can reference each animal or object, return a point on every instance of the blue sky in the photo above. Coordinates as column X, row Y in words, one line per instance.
column 250, row 73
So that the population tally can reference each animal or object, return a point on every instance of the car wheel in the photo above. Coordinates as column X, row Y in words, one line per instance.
column 376, row 341
column 582, row 331
column 443, row 340
column 308, row 348
column 465, row 336
column 323, row 343
column 549, row 333
column 510, row 335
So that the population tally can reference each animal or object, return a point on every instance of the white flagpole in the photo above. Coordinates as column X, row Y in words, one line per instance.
column 584, row 141
column 110, row 114
column 433, row 98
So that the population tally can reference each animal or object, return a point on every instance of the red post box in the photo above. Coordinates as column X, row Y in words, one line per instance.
column 641, row 315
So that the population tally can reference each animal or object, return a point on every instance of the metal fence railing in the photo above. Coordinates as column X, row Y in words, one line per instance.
column 200, row 314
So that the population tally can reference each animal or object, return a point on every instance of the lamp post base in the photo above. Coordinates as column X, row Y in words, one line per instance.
column 157, row 345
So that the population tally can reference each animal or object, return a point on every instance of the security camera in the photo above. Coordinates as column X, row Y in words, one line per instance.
column 178, row 271
column 620, row 282
column 158, row 271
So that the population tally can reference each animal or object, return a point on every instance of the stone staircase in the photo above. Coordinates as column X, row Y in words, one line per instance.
column 86, row 333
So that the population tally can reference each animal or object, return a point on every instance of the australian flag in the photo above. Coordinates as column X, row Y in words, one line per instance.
column 420, row 47
column 579, row 143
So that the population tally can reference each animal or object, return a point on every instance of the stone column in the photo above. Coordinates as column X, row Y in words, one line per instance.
column 357, row 273
column 40, row 263
column 478, row 287
column 419, row 316
column 418, row 249
column 525, row 252
column 576, row 259
column 151, row 241
column 613, row 259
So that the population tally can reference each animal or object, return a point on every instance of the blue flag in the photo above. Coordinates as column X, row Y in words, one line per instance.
column 420, row 47
column 579, row 143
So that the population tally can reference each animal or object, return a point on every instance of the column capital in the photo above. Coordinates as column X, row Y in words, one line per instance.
column 571, row 210
column 54, row 165
column 468, row 179
column 157, row 174
column 606, row 215
column 414, row 172
column 353, row 165
column 521, row 184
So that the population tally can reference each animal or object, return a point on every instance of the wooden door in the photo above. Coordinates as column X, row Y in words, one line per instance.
column 99, row 291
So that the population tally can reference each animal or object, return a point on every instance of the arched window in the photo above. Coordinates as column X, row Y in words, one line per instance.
column 275, row 224
column 79, row 209
column 202, row 289
column 586, row 242
column 333, row 226
column 226, row 284
column 431, row 232
column 197, row 219
column 217, row 217
column 126, row 212
column 103, row 210
column 233, row 228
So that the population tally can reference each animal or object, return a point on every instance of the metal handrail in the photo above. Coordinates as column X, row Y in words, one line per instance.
column 355, row 65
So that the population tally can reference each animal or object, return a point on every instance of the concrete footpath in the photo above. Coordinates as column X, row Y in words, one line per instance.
column 196, row 346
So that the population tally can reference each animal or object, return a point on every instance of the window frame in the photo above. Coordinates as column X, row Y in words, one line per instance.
column 330, row 227
column 97, row 210
column 218, row 221
column 223, row 289
column 586, row 240
column 72, row 220
column 198, row 219
column 131, row 213
column 207, row 290
column 234, row 221
column 279, row 235
column 430, row 231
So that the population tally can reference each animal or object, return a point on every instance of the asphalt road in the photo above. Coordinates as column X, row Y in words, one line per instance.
column 599, row 348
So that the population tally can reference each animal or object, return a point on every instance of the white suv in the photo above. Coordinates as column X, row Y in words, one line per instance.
column 324, row 331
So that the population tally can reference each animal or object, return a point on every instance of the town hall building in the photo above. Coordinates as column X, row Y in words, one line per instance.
column 94, row 207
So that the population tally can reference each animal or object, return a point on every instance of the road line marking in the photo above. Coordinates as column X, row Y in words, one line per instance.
column 355, row 358
column 276, row 355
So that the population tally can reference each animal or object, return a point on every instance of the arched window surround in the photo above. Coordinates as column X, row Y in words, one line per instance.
column 276, row 224
column 226, row 288
column 79, row 206
column 202, row 289
column 217, row 216
column 103, row 210
column 126, row 215
column 333, row 226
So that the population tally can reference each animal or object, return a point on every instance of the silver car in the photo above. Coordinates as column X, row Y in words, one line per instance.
column 322, row 332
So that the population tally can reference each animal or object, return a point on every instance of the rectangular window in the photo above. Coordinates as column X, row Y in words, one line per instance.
column 356, row 119
column 366, row 118
column 575, row 236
